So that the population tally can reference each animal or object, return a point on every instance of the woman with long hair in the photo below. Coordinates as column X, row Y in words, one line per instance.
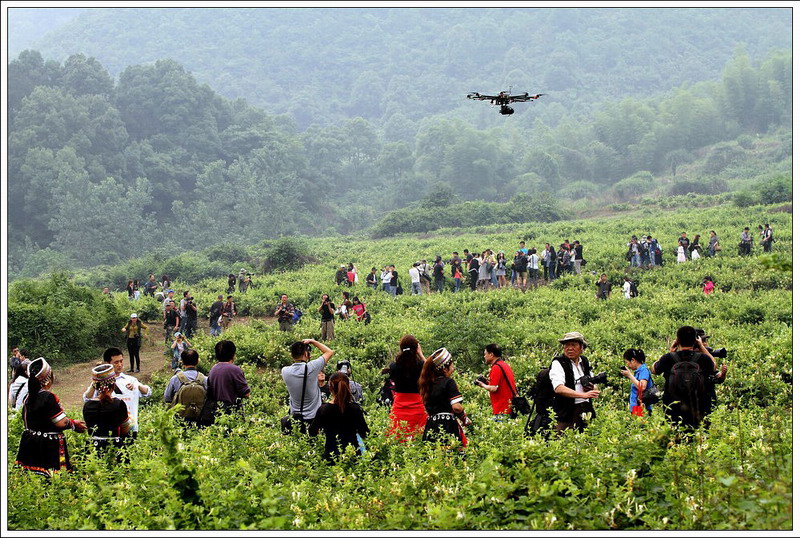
column 106, row 418
column 43, row 446
column 442, row 399
column 695, row 248
column 19, row 387
column 408, row 414
column 501, row 269
column 341, row 419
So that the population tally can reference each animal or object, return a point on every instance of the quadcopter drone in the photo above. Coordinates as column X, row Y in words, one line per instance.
column 503, row 99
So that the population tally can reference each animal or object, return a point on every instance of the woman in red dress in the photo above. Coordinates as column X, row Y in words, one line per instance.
column 408, row 414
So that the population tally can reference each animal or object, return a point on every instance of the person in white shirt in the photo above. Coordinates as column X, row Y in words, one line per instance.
column 19, row 387
column 414, row 273
column 626, row 287
column 568, row 374
column 533, row 268
column 128, row 389
column 386, row 279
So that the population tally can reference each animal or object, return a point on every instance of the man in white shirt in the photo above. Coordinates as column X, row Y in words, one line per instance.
column 414, row 273
column 128, row 389
column 574, row 393
column 533, row 268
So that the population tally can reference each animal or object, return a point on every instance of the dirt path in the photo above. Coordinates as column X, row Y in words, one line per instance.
column 72, row 381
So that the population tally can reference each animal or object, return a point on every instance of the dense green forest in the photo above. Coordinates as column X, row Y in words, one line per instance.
column 395, row 67
column 104, row 169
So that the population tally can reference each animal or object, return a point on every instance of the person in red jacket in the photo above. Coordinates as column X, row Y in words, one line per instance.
column 501, row 385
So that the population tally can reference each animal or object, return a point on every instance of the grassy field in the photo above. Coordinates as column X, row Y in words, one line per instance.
column 621, row 473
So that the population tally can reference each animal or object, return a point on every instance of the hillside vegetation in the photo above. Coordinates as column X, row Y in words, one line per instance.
column 106, row 170
column 631, row 473
column 400, row 65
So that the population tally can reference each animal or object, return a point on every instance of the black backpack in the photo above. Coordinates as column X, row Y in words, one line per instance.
column 687, row 388
column 385, row 394
column 543, row 397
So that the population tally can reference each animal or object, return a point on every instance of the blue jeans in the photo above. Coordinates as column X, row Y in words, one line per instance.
column 387, row 288
column 393, row 291
column 439, row 285
column 636, row 261
column 216, row 330
column 416, row 288
column 552, row 270
column 458, row 285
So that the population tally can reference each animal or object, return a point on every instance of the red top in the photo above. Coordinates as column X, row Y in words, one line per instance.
column 501, row 398
column 359, row 311
column 351, row 276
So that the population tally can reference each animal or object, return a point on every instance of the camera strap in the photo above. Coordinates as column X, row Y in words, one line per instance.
column 503, row 371
column 303, row 396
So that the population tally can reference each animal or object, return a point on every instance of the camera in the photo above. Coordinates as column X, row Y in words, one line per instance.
column 480, row 379
column 588, row 383
column 720, row 353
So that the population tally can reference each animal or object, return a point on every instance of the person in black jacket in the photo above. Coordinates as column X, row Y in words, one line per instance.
column 573, row 400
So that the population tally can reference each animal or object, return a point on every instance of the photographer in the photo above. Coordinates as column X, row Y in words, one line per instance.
column 190, row 317
column 179, row 345
column 501, row 384
column 301, row 380
column 326, row 311
column 640, row 377
column 721, row 370
column 571, row 377
column 686, row 373
column 228, row 311
column 285, row 313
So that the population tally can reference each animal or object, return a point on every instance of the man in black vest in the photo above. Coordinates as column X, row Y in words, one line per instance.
column 573, row 400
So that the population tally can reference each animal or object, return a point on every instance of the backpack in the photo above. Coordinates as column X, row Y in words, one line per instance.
column 634, row 289
column 385, row 394
column 687, row 387
column 543, row 397
column 191, row 395
column 297, row 315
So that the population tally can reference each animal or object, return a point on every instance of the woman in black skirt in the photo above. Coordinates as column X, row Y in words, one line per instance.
column 341, row 419
column 446, row 417
column 43, row 447
column 106, row 417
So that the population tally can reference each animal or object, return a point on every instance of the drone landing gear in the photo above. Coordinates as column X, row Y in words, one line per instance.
column 506, row 110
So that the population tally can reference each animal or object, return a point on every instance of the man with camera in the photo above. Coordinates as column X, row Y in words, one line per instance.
column 189, row 317
column 326, row 310
column 301, row 381
column 285, row 313
column 500, row 385
column 687, row 369
column 573, row 383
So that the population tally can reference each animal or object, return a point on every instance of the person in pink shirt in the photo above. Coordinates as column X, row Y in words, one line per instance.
column 708, row 285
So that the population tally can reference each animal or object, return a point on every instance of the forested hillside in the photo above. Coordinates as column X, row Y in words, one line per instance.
column 395, row 66
column 102, row 170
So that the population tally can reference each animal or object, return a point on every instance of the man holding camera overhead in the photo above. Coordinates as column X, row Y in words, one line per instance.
column 571, row 376
column 301, row 379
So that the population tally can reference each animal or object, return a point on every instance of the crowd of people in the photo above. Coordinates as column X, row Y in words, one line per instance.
column 425, row 399
column 479, row 271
